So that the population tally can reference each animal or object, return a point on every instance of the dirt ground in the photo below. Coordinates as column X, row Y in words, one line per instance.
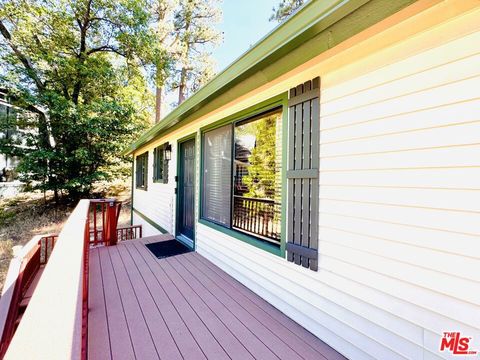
column 30, row 214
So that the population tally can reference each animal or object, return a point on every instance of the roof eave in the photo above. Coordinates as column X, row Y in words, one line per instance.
column 313, row 18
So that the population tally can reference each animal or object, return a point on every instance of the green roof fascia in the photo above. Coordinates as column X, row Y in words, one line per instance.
column 302, row 37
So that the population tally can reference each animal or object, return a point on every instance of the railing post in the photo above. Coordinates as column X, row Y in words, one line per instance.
column 111, row 224
column 86, row 275
column 95, row 235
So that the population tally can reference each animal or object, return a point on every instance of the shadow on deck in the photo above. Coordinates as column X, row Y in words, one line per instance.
column 183, row 307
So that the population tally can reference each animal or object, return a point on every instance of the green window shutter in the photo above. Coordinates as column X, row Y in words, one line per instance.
column 137, row 171
column 164, row 165
column 160, row 164
column 302, row 174
column 145, row 171
column 155, row 166
column 141, row 171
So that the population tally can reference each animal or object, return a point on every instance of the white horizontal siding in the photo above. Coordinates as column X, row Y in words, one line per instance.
column 158, row 201
column 399, row 205
column 147, row 228
column 399, row 200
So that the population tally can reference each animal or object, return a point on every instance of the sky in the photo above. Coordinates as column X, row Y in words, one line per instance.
column 244, row 23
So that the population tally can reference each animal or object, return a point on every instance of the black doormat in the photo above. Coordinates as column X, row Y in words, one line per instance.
column 168, row 248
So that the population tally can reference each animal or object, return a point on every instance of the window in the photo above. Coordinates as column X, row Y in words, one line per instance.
column 141, row 171
column 217, row 169
column 160, row 164
column 244, row 194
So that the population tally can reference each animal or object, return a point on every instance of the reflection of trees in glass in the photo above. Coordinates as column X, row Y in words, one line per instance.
column 260, row 175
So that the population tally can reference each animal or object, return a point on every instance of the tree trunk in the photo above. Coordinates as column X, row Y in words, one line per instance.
column 158, row 104
column 182, row 86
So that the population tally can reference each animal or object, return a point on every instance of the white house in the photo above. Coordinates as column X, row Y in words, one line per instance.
column 334, row 169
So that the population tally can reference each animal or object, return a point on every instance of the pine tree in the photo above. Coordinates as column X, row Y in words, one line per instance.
column 195, row 31
column 285, row 9
column 163, row 14
column 186, row 32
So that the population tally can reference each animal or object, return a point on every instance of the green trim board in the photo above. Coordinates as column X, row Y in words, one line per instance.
column 252, row 111
column 177, row 171
column 279, row 101
column 283, row 236
column 132, row 190
column 264, row 245
column 315, row 28
column 189, row 137
column 150, row 221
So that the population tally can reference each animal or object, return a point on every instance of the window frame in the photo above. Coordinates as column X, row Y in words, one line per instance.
column 277, row 103
column 164, row 165
column 143, row 157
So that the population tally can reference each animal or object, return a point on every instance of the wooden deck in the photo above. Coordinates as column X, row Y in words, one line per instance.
column 184, row 307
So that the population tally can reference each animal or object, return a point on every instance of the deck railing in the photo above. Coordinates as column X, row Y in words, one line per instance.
column 123, row 233
column 21, row 273
column 104, row 214
column 129, row 232
column 257, row 216
column 55, row 318
column 55, row 322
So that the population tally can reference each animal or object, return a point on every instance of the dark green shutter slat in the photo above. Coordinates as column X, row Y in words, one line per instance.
column 291, row 158
column 302, row 174
column 141, row 171
column 297, row 232
column 155, row 159
column 306, row 96
column 315, row 182
column 305, row 235
column 137, row 170
column 165, row 166
column 145, row 169
column 303, row 251
column 160, row 164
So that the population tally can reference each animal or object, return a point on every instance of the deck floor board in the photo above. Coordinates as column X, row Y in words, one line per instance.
column 245, row 320
column 280, row 317
column 98, row 337
column 155, row 322
column 142, row 341
column 184, row 307
column 190, row 316
column 219, row 317
column 120, row 342
column 252, row 310
column 232, row 346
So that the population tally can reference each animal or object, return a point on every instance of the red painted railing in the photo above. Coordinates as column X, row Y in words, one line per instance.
column 22, row 271
column 55, row 317
column 104, row 215
column 129, row 232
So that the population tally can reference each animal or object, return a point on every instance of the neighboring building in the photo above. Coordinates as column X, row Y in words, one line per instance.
column 334, row 169
column 10, row 133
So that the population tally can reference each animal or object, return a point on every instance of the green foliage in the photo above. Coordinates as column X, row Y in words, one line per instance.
column 261, row 177
column 285, row 9
column 195, row 35
column 79, row 67
column 6, row 216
